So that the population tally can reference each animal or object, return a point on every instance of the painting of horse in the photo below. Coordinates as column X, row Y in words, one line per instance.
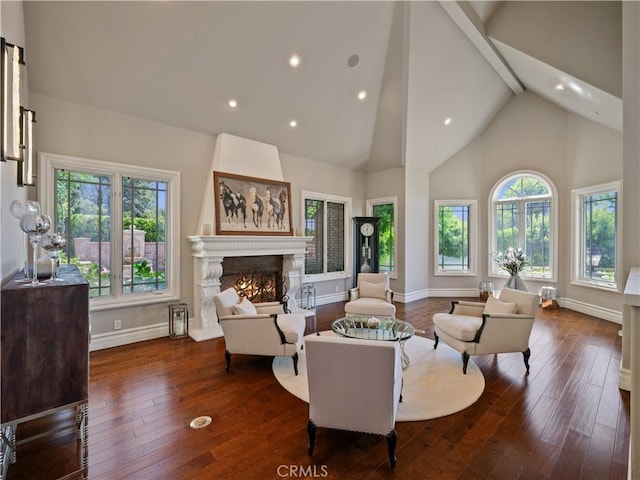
column 265, row 202
column 234, row 204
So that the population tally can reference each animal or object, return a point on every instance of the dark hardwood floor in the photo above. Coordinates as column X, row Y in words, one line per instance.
column 567, row 419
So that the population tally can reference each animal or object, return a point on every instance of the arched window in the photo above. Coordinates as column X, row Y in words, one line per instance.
column 523, row 208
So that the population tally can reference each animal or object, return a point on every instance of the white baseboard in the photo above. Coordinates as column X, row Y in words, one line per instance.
column 410, row 297
column 332, row 298
column 593, row 310
column 624, row 379
column 130, row 335
column 454, row 292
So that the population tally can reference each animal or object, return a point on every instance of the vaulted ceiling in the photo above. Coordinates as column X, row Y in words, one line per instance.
column 180, row 63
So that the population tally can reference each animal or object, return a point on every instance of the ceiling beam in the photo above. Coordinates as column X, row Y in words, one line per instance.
column 463, row 14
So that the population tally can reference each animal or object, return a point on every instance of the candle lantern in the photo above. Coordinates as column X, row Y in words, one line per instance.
column 178, row 318
column 485, row 290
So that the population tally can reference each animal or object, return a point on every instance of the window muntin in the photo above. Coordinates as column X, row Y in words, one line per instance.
column 596, row 212
column 94, row 202
column 455, row 245
column 385, row 210
column 325, row 218
column 523, row 216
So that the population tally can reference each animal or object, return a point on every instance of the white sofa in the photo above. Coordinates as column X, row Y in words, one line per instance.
column 258, row 329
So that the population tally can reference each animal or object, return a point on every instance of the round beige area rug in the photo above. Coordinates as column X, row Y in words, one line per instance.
column 433, row 383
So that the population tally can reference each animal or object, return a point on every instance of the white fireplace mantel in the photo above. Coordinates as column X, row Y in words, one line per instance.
column 209, row 251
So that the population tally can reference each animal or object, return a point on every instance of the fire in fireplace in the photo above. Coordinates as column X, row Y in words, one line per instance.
column 259, row 279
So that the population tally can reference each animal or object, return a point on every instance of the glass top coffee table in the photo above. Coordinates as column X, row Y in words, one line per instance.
column 366, row 327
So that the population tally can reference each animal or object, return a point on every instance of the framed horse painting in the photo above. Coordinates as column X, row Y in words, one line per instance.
column 251, row 206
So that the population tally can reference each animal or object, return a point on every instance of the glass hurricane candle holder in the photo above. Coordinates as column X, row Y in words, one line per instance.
column 35, row 226
column 54, row 243
column 18, row 209
column 485, row 290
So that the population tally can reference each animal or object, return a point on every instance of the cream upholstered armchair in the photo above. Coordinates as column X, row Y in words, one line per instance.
column 372, row 296
column 258, row 329
column 354, row 385
column 499, row 326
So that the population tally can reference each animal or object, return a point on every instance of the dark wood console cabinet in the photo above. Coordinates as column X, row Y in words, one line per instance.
column 45, row 354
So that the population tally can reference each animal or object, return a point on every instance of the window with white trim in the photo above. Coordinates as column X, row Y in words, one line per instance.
column 120, row 227
column 325, row 218
column 455, row 237
column 385, row 209
column 523, row 214
column 596, row 235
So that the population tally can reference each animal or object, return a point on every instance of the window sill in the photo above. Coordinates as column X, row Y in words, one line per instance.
column 99, row 305
column 596, row 286
column 455, row 273
column 325, row 277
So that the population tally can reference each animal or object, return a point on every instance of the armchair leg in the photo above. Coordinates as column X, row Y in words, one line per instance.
column 227, row 357
column 295, row 362
column 526, row 354
column 437, row 339
column 392, row 439
column 311, row 430
column 465, row 362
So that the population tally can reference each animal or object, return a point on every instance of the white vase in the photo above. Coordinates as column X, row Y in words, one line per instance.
column 516, row 283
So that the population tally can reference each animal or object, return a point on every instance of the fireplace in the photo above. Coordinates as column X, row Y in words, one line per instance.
column 216, row 257
column 258, row 279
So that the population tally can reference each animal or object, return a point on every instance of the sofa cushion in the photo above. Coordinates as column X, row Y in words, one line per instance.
column 370, row 306
column 245, row 307
column 495, row 305
column 462, row 327
column 224, row 302
column 292, row 325
column 373, row 290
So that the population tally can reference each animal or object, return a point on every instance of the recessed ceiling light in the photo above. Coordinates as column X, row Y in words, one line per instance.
column 233, row 103
column 294, row 60
column 447, row 121
column 353, row 60
column 362, row 94
column 293, row 123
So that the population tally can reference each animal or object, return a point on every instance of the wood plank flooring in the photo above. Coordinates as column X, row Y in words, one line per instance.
column 567, row 419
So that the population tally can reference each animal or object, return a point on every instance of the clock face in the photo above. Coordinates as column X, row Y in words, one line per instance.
column 366, row 229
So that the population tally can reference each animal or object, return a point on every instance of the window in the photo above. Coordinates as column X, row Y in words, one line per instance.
column 455, row 237
column 385, row 209
column 119, row 227
column 596, row 233
column 523, row 215
column 325, row 219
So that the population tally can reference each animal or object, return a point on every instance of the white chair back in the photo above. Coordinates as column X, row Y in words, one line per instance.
column 354, row 384
column 527, row 302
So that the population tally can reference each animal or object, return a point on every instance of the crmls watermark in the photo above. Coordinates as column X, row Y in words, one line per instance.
column 301, row 471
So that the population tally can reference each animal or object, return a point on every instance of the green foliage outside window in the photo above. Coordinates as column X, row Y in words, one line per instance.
column 386, row 235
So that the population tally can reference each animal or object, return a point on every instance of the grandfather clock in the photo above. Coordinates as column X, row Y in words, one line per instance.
column 366, row 257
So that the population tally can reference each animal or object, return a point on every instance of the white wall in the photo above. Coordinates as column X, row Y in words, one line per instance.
column 313, row 176
column 71, row 129
column 390, row 183
column 11, row 258
column 531, row 133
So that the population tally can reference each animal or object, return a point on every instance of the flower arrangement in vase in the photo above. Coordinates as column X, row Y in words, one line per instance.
column 512, row 261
